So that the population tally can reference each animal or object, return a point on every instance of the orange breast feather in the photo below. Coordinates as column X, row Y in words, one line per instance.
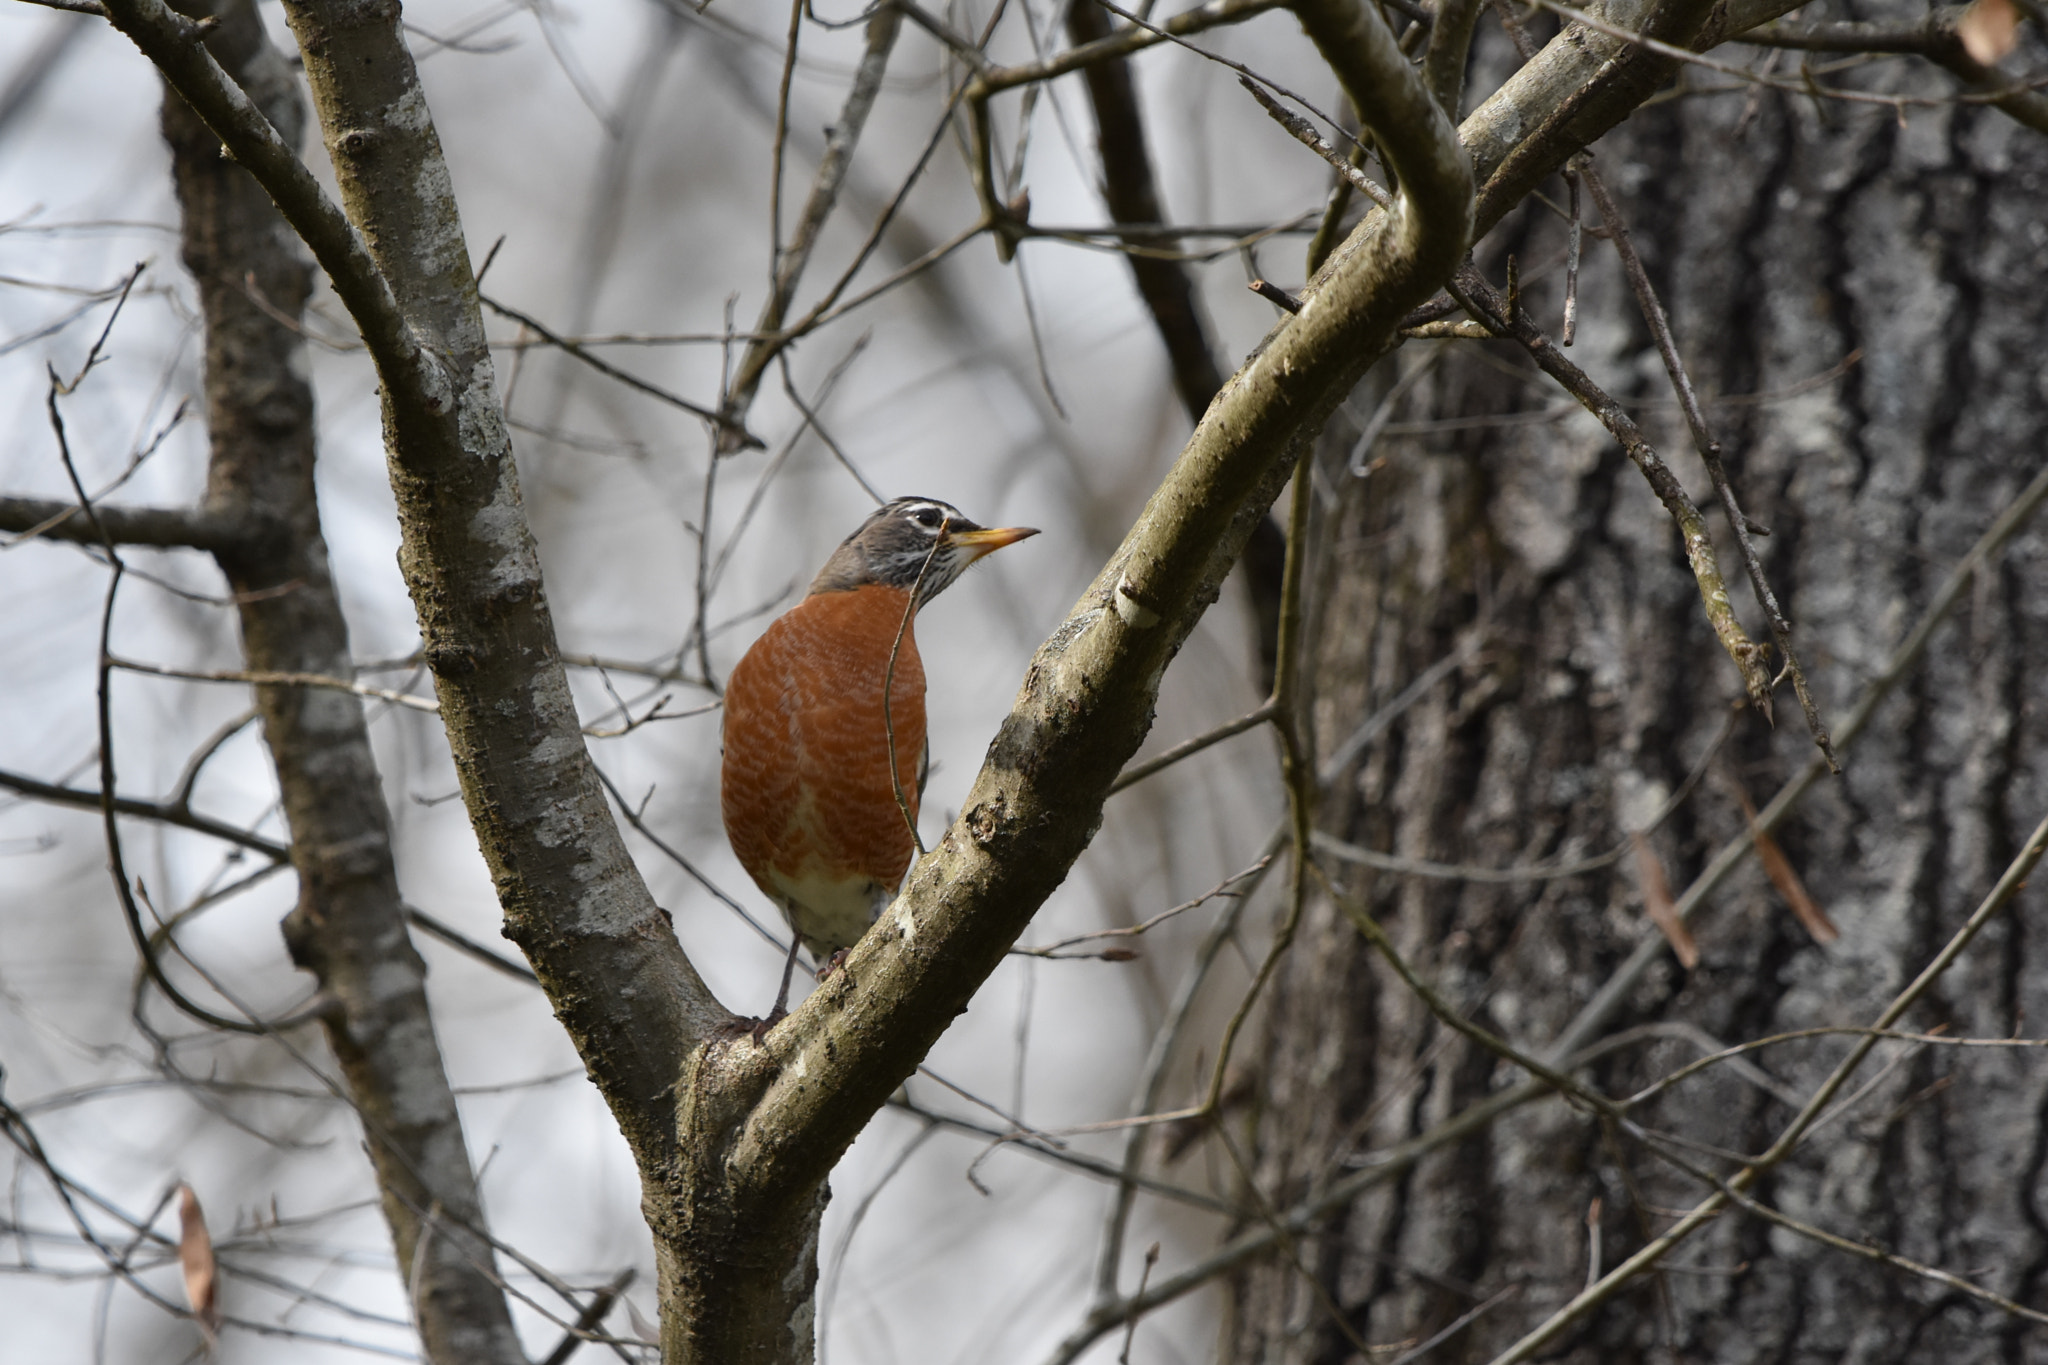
column 805, row 789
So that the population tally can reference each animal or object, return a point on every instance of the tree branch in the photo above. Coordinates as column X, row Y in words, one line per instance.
column 787, row 271
column 167, row 812
column 1132, row 196
column 192, row 528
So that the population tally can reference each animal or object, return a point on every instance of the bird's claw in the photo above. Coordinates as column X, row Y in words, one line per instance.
column 743, row 1026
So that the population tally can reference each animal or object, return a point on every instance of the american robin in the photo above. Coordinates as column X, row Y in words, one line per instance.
column 806, row 789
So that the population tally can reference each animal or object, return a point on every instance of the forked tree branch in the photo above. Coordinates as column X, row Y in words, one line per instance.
column 349, row 927
column 572, row 896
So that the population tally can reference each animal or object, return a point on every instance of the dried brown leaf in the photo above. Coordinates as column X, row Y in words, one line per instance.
column 1783, row 876
column 195, row 1258
column 1658, row 904
column 1989, row 29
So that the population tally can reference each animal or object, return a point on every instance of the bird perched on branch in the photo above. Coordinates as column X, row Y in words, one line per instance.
column 824, row 725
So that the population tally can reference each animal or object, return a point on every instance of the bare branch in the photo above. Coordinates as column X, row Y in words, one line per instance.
column 788, row 267
column 1132, row 197
column 1480, row 300
column 193, row 528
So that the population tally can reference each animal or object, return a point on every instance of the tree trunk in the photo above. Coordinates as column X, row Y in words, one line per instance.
column 349, row 928
column 1786, row 236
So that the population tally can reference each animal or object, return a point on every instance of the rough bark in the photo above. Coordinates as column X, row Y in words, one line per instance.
column 1784, row 241
column 349, row 928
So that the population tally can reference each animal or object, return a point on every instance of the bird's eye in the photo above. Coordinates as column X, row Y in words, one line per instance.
column 928, row 516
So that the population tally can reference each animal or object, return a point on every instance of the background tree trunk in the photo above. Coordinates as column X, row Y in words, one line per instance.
column 1793, row 239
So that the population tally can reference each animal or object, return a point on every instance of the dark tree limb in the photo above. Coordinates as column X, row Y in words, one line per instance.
column 167, row 812
column 1934, row 37
column 1450, row 48
column 1579, row 85
column 1132, row 196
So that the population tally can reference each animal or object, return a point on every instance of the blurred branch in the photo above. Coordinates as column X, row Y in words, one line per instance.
column 788, row 268
column 1924, row 36
column 193, row 528
column 168, row 812
column 2021, row 100
column 462, row 943
column 1579, row 85
column 589, row 1319
column 1188, row 748
column 1044, row 1150
column 1867, row 1252
column 1122, row 43
column 1449, row 51
column 1132, row 196
column 258, row 677
column 92, row 7
column 2022, row 103
column 1165, row 285
column 577, row 351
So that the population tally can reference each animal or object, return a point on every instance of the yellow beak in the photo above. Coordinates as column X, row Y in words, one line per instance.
column 989, row 539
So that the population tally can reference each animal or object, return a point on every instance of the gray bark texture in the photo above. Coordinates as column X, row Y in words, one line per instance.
column 1786, row 235
column 349, row 928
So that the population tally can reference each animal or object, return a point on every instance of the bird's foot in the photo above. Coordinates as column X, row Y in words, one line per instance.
column 832, row 964
column 742, row 1026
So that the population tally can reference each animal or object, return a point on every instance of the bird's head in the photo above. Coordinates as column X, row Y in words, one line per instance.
column 918, row 544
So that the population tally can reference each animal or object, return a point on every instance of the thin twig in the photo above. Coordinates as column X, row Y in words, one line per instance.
column 1573, row 241
column 1709, row 450
column 1479, row 299
column 1222, row 888
column 578, row 351
column 889, row 686
column 1188, row 748
column 787, row 265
